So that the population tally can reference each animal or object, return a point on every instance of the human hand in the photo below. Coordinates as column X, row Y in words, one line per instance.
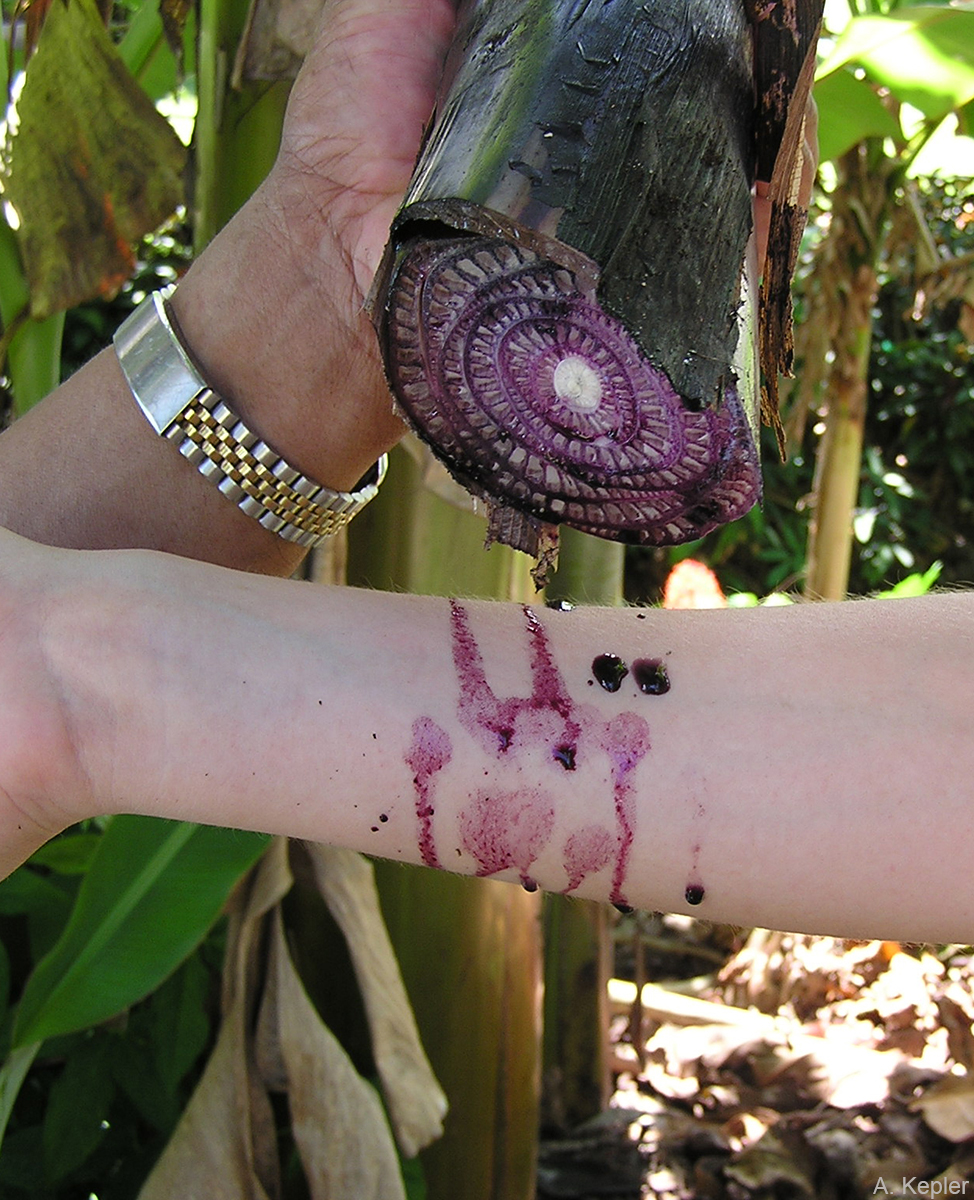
column 355, row 120
column 295, row 349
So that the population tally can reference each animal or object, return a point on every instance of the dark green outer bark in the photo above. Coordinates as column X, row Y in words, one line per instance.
column 622, row 131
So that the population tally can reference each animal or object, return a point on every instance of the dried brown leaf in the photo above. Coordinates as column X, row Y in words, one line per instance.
column 947, row 1107
column 225, row 1146
column 957, row 1014
column 416, row 1102
column 92, row 166
column 339, row 1127
column 174, row 14
column 841, row 1075
column 785, row 38
column 780, row 1159
column 278, row 35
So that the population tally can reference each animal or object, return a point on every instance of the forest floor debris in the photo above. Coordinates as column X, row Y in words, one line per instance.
column 795, row 1067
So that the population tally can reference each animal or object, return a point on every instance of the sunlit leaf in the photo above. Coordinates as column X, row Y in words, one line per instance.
column 914, row 585
column 947, row 154
column 92, row 167
column 153, row 890
column 925, row 56
column 849, row 110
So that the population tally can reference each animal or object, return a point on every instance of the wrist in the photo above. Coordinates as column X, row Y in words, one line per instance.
column 57, row 621
column 276, row 321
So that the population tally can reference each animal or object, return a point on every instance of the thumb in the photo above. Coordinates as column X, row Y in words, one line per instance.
column 366, row 92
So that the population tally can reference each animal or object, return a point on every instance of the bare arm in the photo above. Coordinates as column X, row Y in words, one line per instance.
column 809, row 768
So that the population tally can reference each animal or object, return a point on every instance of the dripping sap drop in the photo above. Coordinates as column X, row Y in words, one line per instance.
column 651, row 676
column 610, row 671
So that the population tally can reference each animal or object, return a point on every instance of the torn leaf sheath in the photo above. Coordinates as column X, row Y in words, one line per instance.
column 564, row 307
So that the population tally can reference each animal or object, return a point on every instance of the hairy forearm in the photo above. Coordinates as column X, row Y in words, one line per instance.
column 85, row 469
column 808, row 768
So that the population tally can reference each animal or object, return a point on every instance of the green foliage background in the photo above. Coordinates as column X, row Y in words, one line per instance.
column 916, row 494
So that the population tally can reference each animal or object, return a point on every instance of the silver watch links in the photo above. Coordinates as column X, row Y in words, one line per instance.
column 183, row 408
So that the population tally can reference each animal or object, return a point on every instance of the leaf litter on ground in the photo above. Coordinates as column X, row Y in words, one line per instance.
column 802, row 1067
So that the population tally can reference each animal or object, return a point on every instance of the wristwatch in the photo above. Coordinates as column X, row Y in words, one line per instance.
column 185, row 410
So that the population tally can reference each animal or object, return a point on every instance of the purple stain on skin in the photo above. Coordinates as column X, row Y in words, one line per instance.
column 498, row 723
column 695, row 892
column 651, row 676
column 502, row 830
column 429, row 752
column 587, row 850
column 626, row 741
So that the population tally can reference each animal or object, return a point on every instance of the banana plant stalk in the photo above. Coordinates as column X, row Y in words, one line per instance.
column 567, row 306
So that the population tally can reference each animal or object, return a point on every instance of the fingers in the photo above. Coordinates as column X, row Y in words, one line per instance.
column 367, row 88
column 357, row 114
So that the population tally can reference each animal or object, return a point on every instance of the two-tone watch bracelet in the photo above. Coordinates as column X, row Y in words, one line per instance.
column 182, row 407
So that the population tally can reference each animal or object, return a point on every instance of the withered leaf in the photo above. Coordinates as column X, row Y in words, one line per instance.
column 174, row 14
column 92, row 166
column 947, row 1106
column 278, row 34
column 416, row 1101
column 339, row 1127
column 225, row 1146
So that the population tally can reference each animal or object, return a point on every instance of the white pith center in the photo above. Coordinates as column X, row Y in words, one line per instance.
column 577, row 384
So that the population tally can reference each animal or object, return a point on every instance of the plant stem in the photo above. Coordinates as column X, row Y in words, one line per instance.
column 469, row 949
column 34, row 353
column 849, row 264
column 238, row 132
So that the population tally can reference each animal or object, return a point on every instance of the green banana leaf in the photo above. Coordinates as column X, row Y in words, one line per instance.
column 153, row 890
column 924, row 55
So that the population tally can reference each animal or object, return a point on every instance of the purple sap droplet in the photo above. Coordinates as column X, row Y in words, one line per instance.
column 651, row 676
column 610, row 671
